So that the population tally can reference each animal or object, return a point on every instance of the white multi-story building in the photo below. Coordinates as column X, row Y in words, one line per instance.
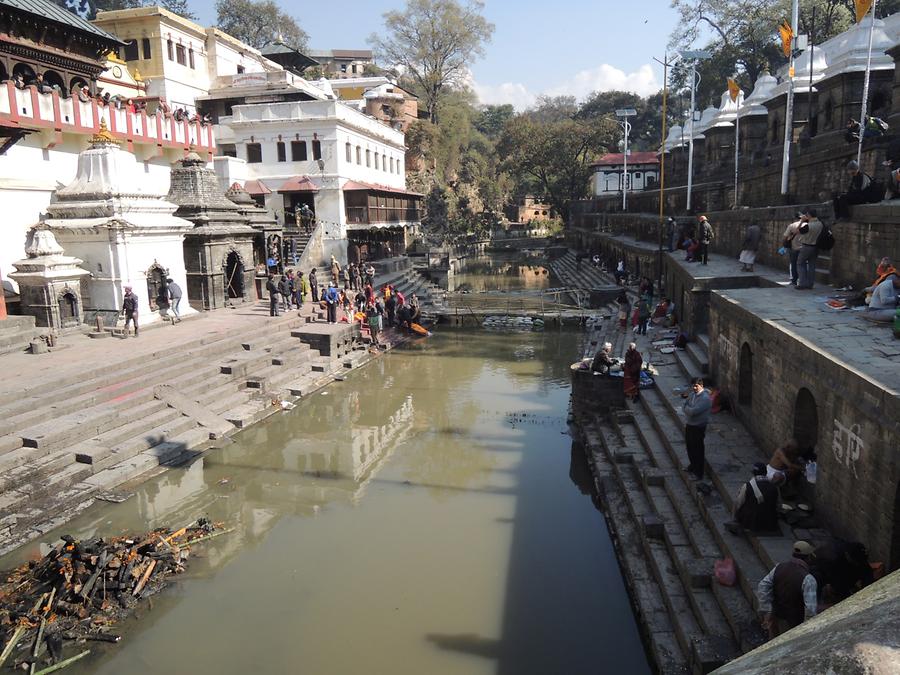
column 346, row 166
column 178, row 59
column 643, row 172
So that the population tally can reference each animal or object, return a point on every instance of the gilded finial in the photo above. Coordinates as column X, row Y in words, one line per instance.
column 137, row 76
column 103, row 136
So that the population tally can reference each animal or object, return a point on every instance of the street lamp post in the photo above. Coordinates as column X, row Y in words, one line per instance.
column 623, row 114
column 693, row 56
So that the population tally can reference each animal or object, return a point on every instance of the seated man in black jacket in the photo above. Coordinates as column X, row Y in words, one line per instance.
column 862, row 190
column 756, row 507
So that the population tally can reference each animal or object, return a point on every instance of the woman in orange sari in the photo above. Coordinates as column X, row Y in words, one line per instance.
column 632, row 372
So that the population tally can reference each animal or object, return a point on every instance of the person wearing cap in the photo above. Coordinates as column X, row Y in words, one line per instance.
column 788, row 594
column 810, row 229
column 791, row 243
column 332, row 297
column 130, row 310
column 756, row 507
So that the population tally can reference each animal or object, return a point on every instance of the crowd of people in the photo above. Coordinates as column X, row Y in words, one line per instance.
column 348, row 295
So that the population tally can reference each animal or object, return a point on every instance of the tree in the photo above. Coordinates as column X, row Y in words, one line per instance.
column 433, row 42
column 492, row 118
column 258, row 23
column 646, row 126
column 550, row 154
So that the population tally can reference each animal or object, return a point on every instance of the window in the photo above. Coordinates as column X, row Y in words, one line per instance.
column 343, row 67
column 228, row 150
column 358, row 155
column 254, row 153
column 399, row 169
column 240, row 69
column 131, row 50
column 191, row 58
column 145, row 44
column 317, row 150
column 392, row 165
column 280, row 149
column 353, row 68
column 349, row 152
column 170, row 50
column 377, row 163
column 180, row 54
column 298, row 151
column 368, row 158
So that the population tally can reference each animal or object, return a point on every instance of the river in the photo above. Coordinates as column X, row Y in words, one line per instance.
column 428, row 515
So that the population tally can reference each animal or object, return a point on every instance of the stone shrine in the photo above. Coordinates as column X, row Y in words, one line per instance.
column 126, row 236
column 218, row 250
column 269, row 237
column 50, row 281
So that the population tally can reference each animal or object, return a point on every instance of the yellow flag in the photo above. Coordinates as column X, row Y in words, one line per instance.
column 733, row 89
column 862, row 8
column 787, row 37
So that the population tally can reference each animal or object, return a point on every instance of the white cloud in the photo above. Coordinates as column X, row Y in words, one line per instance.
column 600, row 78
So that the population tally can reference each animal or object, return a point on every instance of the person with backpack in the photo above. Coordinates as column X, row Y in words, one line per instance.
column 810, row 229
column 706, row 237
column 643, row 313
column 862, row 190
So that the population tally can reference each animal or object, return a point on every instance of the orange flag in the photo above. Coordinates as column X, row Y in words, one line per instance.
column 862, row 8
column 733, row 89
column 787, row 37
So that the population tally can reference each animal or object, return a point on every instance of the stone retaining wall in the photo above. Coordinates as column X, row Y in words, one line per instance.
column 784, row 386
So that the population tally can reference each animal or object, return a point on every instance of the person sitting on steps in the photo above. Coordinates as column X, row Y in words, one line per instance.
column 756, row 506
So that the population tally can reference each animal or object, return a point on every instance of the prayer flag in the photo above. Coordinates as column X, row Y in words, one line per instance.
column 862, row 8
column 733, row 89
column 787, row 37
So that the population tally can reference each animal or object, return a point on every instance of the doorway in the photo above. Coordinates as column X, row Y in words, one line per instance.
column 234, row 276
column 68, row 310
column 806, row 419
column 745, row 376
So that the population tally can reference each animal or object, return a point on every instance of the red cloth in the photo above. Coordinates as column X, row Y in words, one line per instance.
column 632, row 372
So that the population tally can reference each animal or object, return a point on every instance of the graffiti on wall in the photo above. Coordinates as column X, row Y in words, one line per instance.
column 847, row 445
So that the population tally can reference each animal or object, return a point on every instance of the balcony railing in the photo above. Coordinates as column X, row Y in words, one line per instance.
column 371, row 215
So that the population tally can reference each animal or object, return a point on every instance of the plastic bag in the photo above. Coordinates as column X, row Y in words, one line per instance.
column 811, row 471
column 725, row 572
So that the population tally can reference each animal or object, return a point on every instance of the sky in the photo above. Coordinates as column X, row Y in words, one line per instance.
column 569, row 47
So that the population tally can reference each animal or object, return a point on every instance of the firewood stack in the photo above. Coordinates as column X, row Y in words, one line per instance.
column 80, row 589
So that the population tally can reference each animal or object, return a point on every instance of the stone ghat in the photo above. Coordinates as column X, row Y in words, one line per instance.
column 124, row 410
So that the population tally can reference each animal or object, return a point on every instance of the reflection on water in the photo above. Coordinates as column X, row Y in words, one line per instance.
column 427, row 515
column 503, row 272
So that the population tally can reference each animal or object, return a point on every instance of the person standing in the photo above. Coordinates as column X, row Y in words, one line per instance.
column 302, row 289
column 332, row 297
column 788, row 593
column 130, row 310
column 346, row 276
column 632, row 372
column 314, row 285
column 390, row 306
column 643, row 313
column 335, row 270
column 284, row 289
column 272, row 288
column 792, row 245
column 750, row 247
column 370, row 275
column 357, row 277
column 706, row 237
column 696, row 409
column 175, row 296
column 810, row 229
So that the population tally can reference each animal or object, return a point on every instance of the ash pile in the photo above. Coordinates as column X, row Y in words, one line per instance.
column 51, row 608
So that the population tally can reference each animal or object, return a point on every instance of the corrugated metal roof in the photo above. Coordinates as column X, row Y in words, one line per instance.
column 53, row 12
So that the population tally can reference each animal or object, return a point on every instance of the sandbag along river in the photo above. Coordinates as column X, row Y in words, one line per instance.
column 427, row 516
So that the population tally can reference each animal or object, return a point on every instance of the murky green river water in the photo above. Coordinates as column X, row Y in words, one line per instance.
column 426, row 516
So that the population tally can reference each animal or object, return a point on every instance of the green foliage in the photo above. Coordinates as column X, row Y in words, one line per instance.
column 549, row 150
column 258, row 23
column 491, row 119
column 646, row 126
column 434, row 42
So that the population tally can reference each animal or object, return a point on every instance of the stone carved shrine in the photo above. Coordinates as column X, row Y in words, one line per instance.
column 218, row 250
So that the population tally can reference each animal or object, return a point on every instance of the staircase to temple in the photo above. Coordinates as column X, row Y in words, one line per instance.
column 408, row 281
column 65, row 441
column 670, row 534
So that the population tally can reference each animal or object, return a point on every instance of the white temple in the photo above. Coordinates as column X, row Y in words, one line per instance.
column 124, row 235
